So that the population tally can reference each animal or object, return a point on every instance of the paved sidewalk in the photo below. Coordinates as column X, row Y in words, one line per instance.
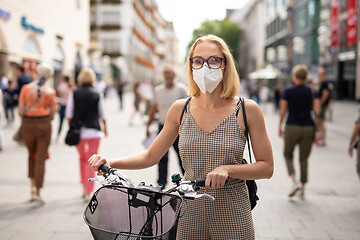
column 331, row 209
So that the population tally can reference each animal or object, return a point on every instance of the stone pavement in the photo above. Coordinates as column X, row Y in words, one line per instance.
column 330, row 210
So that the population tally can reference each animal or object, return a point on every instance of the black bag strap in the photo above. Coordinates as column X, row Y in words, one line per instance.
column 184, row 109
column 246, row 125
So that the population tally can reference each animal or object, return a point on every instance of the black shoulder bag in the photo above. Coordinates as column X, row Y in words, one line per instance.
column 73, row 135
column 251, row 184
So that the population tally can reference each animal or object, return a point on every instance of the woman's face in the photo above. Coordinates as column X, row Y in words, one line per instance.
column 209, row 49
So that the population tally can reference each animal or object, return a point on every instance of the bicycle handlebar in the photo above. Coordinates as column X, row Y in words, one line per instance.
column 105, row 168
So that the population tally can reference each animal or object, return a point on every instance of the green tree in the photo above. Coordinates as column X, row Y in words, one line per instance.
column 229, row 31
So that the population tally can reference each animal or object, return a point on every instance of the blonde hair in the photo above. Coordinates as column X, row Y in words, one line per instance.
column 230, row 82
column 86, row 76
column 300, row 72
column 45, row 70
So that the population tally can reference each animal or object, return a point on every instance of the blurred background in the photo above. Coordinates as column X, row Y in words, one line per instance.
column 133, row 40
column 128, row 43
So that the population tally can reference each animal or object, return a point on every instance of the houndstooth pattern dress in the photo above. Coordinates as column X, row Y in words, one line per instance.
column 229, row 215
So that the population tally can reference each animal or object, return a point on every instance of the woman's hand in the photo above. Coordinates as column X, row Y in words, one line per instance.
column 216, row 178
column 350, row 150
column 281, row 132
column 95, row 161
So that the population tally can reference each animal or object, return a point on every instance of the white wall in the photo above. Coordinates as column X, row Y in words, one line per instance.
column 63, row 18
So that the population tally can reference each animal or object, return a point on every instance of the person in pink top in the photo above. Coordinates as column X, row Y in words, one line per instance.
column 64, row 88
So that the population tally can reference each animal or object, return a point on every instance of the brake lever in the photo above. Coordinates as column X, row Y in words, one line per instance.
column 189, row 192
column 205, row 195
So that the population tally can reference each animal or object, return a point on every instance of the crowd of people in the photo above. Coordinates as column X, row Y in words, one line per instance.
column 201, row 122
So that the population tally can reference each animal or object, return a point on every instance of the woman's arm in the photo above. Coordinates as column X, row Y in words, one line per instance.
column 261, row 146
column 316, row 106
column 283, row 110
column 354, row 135
column 69, row 110
column 152, row 155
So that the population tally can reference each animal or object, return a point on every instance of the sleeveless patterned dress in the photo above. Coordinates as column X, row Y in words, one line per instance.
column 229, row 215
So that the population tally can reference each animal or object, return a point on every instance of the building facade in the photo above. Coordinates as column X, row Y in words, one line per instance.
column 306, row 20
column 279, row 34
column 51, row 31
column 249, row 18
column 318, row 33
column 135, row 36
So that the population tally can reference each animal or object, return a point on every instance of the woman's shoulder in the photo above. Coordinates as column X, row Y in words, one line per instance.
column 180, row 103
column 251, row 107
column 49, row 90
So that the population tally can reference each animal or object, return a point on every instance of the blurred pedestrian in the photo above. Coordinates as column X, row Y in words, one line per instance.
column 330, row 108
column 64, row 89
column 85, row 106
column 164, row 96
column 100, row 85
column 138, row 98
column 120, row 84
column 264, row 93
column 253, row 91
column 3, row 81
column 22, row 77
column 355, row 143
column 147, row 93
column 1, row 119
column 10, row 97
column 212, row 142
column 277, row 97
column 299, row 102
column 324, row 95
column 37, row 106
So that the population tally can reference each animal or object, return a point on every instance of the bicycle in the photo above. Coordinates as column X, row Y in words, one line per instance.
column 120, row 210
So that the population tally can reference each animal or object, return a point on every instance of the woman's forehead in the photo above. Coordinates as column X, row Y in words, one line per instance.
column 207, row 48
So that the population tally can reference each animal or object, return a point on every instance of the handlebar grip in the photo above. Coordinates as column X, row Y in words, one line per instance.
column 105, row 168
column 200, row 182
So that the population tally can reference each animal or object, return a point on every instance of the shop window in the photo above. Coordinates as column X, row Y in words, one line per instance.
column 31, row 46
column 58, row 54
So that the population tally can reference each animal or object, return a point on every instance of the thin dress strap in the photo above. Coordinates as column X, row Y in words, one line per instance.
column 238, row 107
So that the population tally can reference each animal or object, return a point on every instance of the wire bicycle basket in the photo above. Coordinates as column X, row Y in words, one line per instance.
column 119, row 212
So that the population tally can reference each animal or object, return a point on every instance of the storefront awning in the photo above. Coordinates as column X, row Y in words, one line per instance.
column 266, row 73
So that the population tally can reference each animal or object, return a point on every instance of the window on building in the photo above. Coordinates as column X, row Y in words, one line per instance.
column 31, row 46
column 111, row 45
column 93, row 16
column 300, row 20
column 111, row 17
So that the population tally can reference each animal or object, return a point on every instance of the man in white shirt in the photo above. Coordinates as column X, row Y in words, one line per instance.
column 164, row 96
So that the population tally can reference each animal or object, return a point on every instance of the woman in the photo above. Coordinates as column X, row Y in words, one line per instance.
column 85, row 105
column 299, row 101
column 63, row 90
column 211, row 145
column 354, row 143
column 37, row 106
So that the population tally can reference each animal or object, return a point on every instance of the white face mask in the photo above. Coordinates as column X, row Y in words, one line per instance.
column 207, row 79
